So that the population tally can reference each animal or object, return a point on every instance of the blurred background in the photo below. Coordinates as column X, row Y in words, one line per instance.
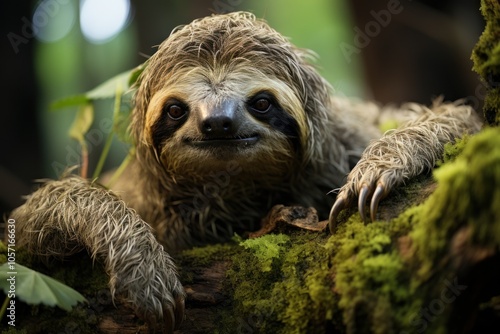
column 387, row 50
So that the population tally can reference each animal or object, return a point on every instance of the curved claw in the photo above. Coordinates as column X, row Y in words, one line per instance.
column 377, row 196
column 338, row 206
column 363, row 195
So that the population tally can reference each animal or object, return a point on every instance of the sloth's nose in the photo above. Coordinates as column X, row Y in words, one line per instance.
column 220, row 121
column 219, row 125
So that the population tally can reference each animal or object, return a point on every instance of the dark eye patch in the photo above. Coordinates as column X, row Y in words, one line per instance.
column 264, row 107
column 174, row 114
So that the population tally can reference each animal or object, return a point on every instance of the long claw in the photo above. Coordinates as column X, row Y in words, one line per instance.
column 363, row 194
column 377, row 196
column 338, row 206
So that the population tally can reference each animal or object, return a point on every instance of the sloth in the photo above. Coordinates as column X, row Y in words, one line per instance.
column 229, row 120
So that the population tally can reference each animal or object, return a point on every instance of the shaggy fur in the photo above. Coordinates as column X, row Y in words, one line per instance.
column 193, row 187
column 66, row 216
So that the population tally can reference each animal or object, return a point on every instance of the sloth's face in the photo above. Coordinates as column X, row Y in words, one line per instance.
column 204, row 117
column 227, row 88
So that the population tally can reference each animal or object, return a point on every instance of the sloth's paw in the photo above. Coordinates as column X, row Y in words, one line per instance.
column 368, row 183
column 150, row 283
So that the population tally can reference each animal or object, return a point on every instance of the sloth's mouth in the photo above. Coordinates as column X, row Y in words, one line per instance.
column 238, row 141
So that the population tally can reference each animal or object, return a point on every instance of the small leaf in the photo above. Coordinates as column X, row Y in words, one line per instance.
column 70, row 101
column 135, row 73
column 36, row 288
column 82, row 123
column 108, row 88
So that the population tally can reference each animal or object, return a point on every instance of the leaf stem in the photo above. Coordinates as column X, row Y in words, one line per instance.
column 104, row 154
column 85, row 161
column 109, row 139
column 4, row 306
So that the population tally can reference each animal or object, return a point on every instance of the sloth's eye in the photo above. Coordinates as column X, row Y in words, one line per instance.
column 176, row 111
column 261, row 105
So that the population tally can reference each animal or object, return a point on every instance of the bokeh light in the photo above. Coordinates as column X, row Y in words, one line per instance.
column 102, row 20
column 52, row 20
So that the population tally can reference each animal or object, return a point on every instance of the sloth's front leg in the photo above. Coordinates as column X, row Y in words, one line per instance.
column 402, row 154
column 69, row 215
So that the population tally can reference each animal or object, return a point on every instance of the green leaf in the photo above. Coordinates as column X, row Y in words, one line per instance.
column 36, row 288
column 135, row 73
column 108, row 88
column 70, row 101
column 82, row 123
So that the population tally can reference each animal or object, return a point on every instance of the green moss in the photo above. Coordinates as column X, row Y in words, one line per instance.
column 267, row 248
column 376, row 277
column 306, row 287
column 492, row 105
column 12, row 330
column 251, row 293
column 486, row 58
column 468, row 195
column 370, row 274
column 486, row 54
column 282, row 284
column 383, row 284
column 204, row 256
column 452, row 150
